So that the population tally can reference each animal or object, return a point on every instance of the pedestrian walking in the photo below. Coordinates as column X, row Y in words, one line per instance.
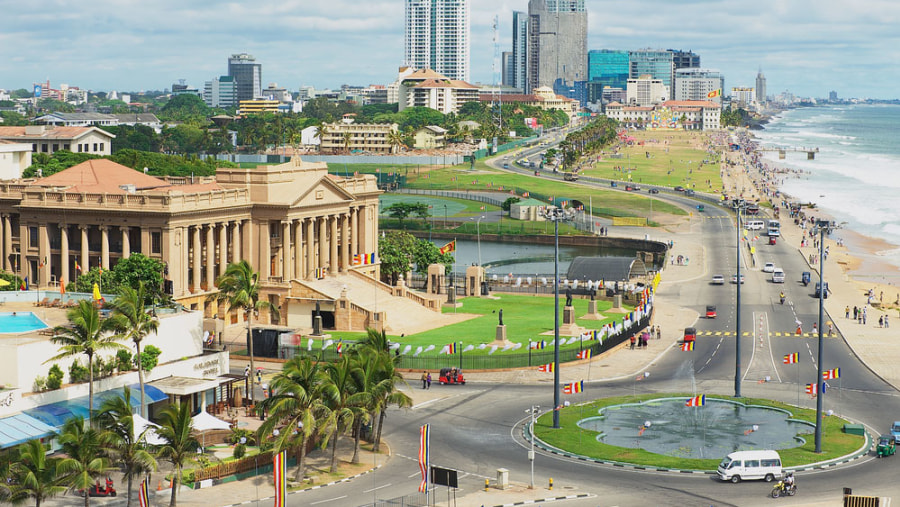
column 658, row 333
column 424, row 379
column 815, row 329
column 830, row 329
column 247, row 371
column 633, row 339
column 259, row 375
column 886, row 324
column 865, row 313
column 881, row 321
column 847, row 312
column 428, row 380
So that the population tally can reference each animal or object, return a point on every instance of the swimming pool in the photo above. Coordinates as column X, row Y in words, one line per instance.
column 20, row 322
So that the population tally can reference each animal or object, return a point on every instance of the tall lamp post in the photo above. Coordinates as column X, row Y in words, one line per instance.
column 824, row 227
column 739, row 207
column 534, row 410
column 478, row 235
column 556, row 215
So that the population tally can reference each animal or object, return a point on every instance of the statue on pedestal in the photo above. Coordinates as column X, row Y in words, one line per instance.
column 593, row 294
column 568, row 297
column 501, row 316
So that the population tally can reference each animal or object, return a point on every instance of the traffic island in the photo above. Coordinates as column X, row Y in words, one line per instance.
column 691, row 434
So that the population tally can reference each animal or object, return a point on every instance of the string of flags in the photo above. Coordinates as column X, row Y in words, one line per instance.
column 449, row 349
column 792, row 358
column 546, row 368
column 585, row 354
column 831, row 374
column 696, row 401
column 363, row 259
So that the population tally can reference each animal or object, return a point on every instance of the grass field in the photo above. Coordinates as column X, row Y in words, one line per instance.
column 570, row 437
column 675, row 158
column 455, row 208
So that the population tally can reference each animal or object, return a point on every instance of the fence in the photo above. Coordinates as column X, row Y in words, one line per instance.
column 480, row 361
column 469, row 196
column 261, row 462
column 453, row 159
column 505, row 147
column 413, row 500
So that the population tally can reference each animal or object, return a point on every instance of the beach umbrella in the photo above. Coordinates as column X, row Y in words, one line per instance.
column 146, row 430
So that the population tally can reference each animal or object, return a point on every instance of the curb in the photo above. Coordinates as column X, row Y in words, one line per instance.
column 542, row 500
column 859, row 453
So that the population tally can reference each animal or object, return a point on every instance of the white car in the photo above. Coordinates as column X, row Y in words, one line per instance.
column 769, row 267
column 734, row 278
column 778, row 275
column 718, row 280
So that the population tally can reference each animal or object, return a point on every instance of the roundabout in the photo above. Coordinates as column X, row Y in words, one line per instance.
column 691, row 433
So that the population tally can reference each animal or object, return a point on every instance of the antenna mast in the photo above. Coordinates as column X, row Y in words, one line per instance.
column 496, row 109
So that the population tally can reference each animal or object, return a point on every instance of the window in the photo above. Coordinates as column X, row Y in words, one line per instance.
column 771, row 463
column 34, row 148
column 156, row 242
column 95, row 146
column 33, row 237
column 751, row 463
column 101, row 146
column 55, row 147
column 79, row 148
column 44, row 147
column 66, row 146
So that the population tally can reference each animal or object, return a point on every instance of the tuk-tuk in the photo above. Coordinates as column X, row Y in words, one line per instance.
column 805, row 278
column 710, row 312
column 772, row 240
column 451, row 376
column 887, row 446
column 701, row 208
column 690, row 334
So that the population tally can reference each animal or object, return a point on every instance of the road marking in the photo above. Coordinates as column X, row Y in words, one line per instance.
column 375, row 489
column 329, row 500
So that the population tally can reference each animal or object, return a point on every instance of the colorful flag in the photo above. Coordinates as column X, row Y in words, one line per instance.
column 77, row 266
column 687, row 347
column 357, row 260
column 585, row 354
column 424, row 444
column 340, row 348
column 24, row 284
column 792, row 358
column 144, row 494
column 449, row 247
column 369, row 258
column 831, row 374
column 546, row 368
column 42, row 263
column 574, row 387
column 811, row 389
column 713, row 94
column 538, row 345
column 696, row 401
column 320, row 273
column 451, row 348
column 278, row 470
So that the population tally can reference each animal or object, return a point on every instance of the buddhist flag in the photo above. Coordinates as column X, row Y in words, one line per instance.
column 546, row 368
column 812, row 389
column 687, row 347
column 713, row 94
column 340, row 348
column 449, row 247
column 320, row 273
column 77, row 266
column 357, row 260
column 696, row 401
column 144, row 494
column 424, row 444
column 574, row 387
column 278, row 469
column 585, row 354
column 538, row 345
column 450, row 348
column 831, row 374
column 369, row 258
column 792, row 358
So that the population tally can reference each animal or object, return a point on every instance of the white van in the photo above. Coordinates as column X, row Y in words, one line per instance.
column 778, row 275
column 742, row 465
column 774, row 224
column 754, row 225
column 774, row 232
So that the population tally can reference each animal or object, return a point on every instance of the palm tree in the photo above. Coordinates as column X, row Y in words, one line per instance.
column 294, row 407
column 135, row 323
column 121, row 441
column 35, row 475
column 321, row 132
column 181, row 446
column 395, row 138
column 387, row 394
column 84, row 463
column 337, row 387
column 347, row 139
column 239, row 289
column 86, row 334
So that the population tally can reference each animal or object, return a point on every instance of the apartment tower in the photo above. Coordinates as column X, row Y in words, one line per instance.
column 557, row 43
column 437, row 37
column 247, row 76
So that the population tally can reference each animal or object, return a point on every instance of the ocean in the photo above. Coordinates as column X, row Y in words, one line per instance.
column 855, row 176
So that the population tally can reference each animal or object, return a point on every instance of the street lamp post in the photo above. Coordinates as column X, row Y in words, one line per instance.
column 556, row 215
column 534, row 410
column 824, row 226
column 478, row 234
column 737, row 324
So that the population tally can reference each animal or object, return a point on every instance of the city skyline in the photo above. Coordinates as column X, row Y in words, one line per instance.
column 809, row 49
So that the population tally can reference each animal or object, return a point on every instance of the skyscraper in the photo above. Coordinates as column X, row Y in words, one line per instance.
column 657, row 63
column 609, row 66
column 557, row 43
column 697, row 84
column 760, row 87
column 247, row 76
column 519, row 49
column 685, row 59
column 437, row 36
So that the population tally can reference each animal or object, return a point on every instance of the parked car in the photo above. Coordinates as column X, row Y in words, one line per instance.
column 734, row 278
column 613, row 184
column 688, row 192
column 718, row 280
column 711, row 312
column 769, row 267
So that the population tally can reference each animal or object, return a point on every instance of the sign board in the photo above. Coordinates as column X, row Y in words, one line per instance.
column 37, row 91
column 444, row 477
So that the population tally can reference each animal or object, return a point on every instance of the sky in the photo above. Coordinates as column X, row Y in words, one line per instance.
column 809, row 48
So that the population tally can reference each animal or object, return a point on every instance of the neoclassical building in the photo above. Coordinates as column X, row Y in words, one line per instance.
column 292, row 221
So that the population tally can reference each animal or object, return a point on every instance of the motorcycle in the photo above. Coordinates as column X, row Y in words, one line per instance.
column 781, row 489
column 782, row 299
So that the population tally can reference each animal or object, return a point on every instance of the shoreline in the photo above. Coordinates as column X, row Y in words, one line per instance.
column 861, row 258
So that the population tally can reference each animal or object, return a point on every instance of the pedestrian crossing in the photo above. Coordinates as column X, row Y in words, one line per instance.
column 786, row 334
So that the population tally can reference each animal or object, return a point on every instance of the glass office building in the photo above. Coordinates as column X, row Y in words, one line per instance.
column 610, row 67
column 658, row 64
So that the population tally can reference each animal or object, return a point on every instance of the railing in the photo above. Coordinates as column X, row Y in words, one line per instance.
column 413, row 500
column 233, row 467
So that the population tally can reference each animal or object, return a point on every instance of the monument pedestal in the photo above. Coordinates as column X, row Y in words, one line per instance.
column 568, row 326
column 317, row 325
column 592, row 312
column 451, row 299
column 500, row 337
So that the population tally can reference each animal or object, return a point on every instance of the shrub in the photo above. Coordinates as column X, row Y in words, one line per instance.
column 123, row 360
column 149, row 358
column 239, row 451
column 54, row 377
column 39, row 384
column 77, row 373
column 108, row 367
column 238, row 433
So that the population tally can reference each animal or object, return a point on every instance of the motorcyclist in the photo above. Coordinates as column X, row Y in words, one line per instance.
column 789, row 481
column 782, row 297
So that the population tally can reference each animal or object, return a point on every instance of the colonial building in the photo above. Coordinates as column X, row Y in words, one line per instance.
column 430, row 137
column 292, row 221
column 427, row 88
column 670, row 115
column 347, row 136
column 49, row 139
column 14, row 158
column 542, row 97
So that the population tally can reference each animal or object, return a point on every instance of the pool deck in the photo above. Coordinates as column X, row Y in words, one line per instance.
column 51, row 316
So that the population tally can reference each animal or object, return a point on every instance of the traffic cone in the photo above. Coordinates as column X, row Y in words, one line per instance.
column 158, row 485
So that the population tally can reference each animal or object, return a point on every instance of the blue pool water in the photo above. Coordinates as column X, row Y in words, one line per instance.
column 21, row 322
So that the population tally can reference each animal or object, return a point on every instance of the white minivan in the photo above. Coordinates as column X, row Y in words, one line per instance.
column 754, row 225
column 745, row 465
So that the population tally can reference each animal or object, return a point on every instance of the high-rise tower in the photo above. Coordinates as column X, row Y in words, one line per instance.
column 519, row 64
column 437, row 36
column 557, row 43
column 760, row 87
column 247, row 76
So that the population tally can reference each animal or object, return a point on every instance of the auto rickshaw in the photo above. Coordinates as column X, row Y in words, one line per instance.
column 772, row 240
column 451, row 376
column 887, row 446
column 690, row 334
column 701, row 208
column 805, row 278
column 710, row 311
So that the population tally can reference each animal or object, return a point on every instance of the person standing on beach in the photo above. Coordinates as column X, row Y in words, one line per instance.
column 855, row 313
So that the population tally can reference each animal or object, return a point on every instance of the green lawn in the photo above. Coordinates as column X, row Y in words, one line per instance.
column 583, row 442
column 455, row 208
column 672, row 164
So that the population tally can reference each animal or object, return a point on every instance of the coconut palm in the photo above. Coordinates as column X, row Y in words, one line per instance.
column 321, row 131
column 347, row 138
column 84, row 462
column 35, row 475
column 239, row 289
column 181, row 446
column 337, row 388
column 395, row 138
column 293, row 408
column 134, row 323
column 389, row 379
column 86, row 334
column 122, row 443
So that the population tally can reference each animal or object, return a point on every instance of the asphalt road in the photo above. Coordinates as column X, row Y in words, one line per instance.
column 479, row 428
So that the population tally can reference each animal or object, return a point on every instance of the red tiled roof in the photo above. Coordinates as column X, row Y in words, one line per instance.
column 49, row 133
column 100, row 176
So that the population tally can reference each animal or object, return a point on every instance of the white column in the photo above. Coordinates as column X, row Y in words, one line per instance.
column 104, row 246
column 85, row 261
column 210, row 256
column 196, row 265
column 354, row 231
column 298, row 249
column 287, row 252
column 236, row 241
column 126, row 243
column 333, row 259
column 323, row 245
column 64, row 254
column 310, row 248
column 7, row 243
column 223, row 247
column 345, row 241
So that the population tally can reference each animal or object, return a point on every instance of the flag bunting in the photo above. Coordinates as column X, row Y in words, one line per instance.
column 546, row 368
column 585, row 354
column 831, row 374
column 278, row 470
column 687, row 347
column 792, row 358
column 424, row 443
column 574, row 387
column 696, row 401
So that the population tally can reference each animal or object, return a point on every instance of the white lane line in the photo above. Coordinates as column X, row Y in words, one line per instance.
column 752, row 351
column 771, row 354
column 329, row 500
column 376, row 489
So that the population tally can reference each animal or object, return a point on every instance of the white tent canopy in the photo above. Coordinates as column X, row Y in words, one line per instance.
column 204, row 421
column 140, row 424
